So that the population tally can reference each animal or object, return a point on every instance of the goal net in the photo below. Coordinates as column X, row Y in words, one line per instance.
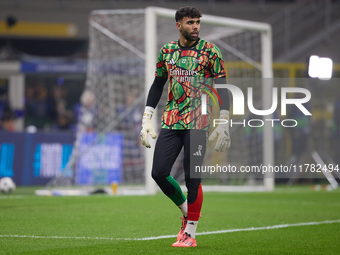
column 122, row 57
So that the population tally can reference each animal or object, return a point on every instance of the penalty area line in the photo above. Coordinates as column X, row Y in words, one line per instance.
column 313, row 223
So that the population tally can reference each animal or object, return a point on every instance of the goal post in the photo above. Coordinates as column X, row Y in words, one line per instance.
column 265, row 68
column 123, row 47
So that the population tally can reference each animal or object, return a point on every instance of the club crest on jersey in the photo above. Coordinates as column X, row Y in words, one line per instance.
column 195, row 60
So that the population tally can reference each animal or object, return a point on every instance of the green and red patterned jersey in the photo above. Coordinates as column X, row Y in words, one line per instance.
column 190, row 70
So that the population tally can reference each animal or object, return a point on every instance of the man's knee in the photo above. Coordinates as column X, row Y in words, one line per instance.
column 158, row 175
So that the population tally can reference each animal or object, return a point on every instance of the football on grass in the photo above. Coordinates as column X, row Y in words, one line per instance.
column 7, row 185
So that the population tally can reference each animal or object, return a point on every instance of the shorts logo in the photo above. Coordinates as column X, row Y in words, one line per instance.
column 199, row 152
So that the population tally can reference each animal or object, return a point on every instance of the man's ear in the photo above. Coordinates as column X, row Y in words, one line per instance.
column 178, row 25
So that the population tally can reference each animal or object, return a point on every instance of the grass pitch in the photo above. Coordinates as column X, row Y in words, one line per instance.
column 298, row 221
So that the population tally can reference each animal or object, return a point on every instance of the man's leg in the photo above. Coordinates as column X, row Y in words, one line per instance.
column 168, row 146
column 195, row 142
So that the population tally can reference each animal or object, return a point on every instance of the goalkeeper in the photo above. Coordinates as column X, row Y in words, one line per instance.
column 184, row 61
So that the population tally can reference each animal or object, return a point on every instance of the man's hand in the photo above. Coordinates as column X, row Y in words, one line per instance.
column 147, row 127
column 222, row 133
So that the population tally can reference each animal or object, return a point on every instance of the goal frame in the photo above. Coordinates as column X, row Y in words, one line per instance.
column 151, row 50
column 149, row 56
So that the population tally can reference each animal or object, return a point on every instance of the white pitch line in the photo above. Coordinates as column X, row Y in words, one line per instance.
column 59, row 237
column 243, row 229
column 171, row 236
column 11, row 197
column 271, row 227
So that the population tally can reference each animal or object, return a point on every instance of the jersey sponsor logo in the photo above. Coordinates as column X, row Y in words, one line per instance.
column 182, row 72
column 183, row 75
column 195, row 60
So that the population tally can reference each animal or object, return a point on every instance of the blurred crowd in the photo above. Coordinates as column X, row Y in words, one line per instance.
column 45, row 109
column 48, row 110
column 7, row 115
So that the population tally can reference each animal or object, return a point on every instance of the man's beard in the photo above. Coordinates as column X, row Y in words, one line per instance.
column 188, row 36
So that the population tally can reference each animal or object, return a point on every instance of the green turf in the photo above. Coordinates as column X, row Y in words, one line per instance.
column 70, row 225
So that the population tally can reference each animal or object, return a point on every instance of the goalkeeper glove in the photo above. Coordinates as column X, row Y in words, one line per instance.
column 147, row 127
column 222, row 133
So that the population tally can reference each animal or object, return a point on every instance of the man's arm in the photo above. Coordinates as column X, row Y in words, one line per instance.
column 155, row 91
column 153, row 98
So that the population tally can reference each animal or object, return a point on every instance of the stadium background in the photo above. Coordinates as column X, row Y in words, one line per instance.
column 43, row 63
column 44, row 45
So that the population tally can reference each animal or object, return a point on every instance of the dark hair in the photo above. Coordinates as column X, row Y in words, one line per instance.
column 187, row 11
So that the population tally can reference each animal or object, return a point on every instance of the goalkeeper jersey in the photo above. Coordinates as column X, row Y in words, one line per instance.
column 190, row 71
